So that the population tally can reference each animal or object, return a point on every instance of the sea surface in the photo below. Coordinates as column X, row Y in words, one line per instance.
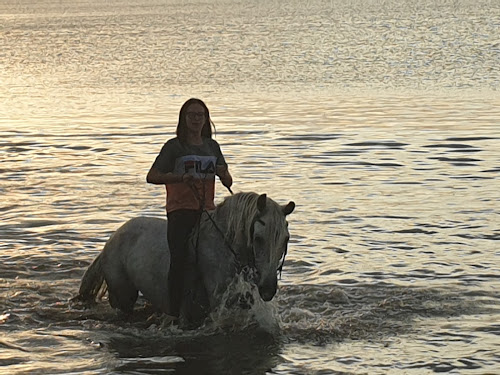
column 380, row 119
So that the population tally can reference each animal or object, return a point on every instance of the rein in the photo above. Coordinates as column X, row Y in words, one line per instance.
column 280, row 268
column 228, row 245
column 250, row 267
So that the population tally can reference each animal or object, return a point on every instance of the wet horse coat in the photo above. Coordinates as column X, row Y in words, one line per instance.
column 245, row 229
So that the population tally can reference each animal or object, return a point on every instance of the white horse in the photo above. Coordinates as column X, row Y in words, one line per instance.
column 246, row 231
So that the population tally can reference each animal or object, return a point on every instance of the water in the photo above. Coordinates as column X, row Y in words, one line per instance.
column 379, row 119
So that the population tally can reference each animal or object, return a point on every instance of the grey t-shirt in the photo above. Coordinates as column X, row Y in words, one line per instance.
column 199, row 161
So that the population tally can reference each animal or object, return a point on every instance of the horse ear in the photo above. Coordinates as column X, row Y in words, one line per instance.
column 261, row 202
column 288, row 209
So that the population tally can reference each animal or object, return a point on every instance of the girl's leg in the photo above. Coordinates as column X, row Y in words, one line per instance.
column 180, row 225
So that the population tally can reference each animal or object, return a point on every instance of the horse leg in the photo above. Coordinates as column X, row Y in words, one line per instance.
column 122, row 293
column 157, row 294
column 195, row 304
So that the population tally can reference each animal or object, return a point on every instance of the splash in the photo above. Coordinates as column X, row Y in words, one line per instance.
column 242, row 308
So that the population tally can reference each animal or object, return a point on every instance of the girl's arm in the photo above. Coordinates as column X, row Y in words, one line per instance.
column 157, row 177
column 224, row 175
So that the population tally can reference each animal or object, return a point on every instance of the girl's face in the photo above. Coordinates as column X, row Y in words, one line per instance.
column 195, row 118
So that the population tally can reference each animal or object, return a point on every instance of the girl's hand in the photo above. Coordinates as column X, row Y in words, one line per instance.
column 187, row 178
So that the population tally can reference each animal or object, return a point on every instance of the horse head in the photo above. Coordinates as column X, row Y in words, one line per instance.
column 257, row 231
column 269, row 243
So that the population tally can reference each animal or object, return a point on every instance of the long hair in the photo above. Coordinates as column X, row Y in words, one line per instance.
column 181, row 131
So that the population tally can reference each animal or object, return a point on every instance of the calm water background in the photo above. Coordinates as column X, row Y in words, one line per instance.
column 380, row 119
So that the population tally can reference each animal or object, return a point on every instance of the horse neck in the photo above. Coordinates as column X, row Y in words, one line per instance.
column 238, row 241
column 219, row 217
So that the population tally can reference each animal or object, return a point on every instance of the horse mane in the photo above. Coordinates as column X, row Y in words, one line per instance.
column 241, row 210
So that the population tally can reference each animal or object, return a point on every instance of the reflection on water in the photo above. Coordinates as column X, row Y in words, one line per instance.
column 379, row 119
column 243, row 353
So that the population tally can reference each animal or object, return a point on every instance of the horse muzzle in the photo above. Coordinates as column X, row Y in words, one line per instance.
column 268, row 290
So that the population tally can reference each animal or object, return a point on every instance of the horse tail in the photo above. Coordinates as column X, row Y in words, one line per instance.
column 92, row 282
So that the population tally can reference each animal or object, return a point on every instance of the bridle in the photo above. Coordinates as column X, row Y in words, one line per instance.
column 249, row 270
column 257, row 219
